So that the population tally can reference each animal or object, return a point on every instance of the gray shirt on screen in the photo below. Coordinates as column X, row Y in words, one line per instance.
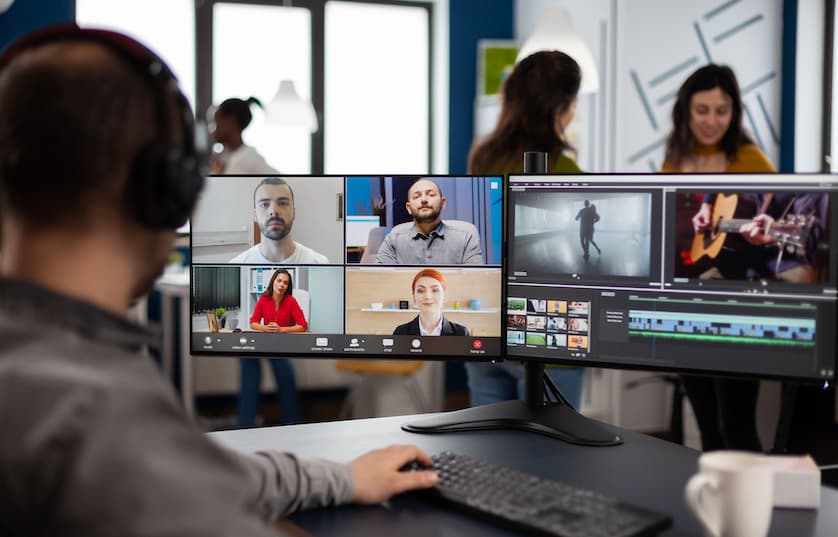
column 452, row 243
column 94, row 443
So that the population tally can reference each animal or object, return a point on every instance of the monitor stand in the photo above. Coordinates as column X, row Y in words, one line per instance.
column 557, row 420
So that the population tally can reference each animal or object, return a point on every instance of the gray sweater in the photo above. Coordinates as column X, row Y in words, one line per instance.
column 94, row 443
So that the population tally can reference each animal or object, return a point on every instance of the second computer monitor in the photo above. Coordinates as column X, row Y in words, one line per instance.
column 722, row 274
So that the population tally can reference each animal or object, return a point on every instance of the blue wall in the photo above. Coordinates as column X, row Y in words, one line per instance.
column 26, row 15
column 788, row 92
column 470, row 20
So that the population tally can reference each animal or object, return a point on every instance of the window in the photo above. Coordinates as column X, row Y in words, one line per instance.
column 377, row 88
column 171, row 37
column 365, row 66
column 254, row 47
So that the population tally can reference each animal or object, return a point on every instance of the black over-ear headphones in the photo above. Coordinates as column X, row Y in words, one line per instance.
column 166, row 176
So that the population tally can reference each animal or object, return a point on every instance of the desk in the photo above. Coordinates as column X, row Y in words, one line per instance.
column 644, row 471
column 172, row 286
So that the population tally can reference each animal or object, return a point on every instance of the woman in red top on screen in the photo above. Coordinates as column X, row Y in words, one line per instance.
column 429, row 287
column 276, row 310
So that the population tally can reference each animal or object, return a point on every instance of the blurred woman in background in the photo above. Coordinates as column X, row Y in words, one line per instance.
column 538, row 102
column 231, row 118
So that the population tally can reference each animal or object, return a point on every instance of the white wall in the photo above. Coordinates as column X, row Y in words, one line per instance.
column 645, row 49
column 656, row 53
column 326, row 299
column 317, row 225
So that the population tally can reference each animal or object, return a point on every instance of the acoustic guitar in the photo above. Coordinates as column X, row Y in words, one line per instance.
column 790, row 232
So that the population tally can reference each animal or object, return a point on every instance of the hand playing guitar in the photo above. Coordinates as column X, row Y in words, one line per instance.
column 701, row 220
column 755, row 231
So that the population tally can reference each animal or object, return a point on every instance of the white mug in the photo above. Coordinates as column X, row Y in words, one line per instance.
column 732, row 494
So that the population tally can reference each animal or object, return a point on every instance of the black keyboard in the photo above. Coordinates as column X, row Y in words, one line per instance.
column 531, row 503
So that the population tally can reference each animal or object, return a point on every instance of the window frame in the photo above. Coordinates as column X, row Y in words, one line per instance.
column 204, row 59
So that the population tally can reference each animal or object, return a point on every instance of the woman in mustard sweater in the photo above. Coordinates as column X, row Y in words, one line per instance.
column 707, row 134
column 708, row 137
column 538, row 103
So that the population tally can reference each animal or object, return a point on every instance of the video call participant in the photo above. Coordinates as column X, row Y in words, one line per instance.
column 231, row 118
column 94, row 440
column 429, row 240
column 274, row 213
column 276, row 311
column 538, row 102
column 708, row 137
column 428, row 289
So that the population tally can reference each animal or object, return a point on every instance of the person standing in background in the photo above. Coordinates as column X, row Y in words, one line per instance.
column 708, row 137
column 538, row 102
column 231, row 118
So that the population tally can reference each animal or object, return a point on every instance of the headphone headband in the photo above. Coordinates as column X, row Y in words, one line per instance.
column 166, row 176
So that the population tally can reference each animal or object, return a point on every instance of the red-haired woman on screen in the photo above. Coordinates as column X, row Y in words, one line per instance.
column 428, row 289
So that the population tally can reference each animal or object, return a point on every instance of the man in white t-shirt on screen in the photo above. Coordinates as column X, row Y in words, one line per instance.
column 274, row 212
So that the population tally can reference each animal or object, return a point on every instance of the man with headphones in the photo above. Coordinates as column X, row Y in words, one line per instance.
column 98, row 166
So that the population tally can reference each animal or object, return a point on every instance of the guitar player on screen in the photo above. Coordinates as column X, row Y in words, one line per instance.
column 770, row 236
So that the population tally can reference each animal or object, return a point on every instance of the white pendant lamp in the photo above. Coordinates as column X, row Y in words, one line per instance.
column 554, row 31
column 287, row 109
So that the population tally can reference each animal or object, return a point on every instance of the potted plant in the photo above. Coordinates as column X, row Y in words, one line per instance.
column 220, row 314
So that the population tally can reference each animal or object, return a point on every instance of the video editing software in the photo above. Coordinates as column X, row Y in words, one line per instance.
column 726, row 274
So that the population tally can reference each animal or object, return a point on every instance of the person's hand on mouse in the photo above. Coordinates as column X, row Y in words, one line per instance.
column 378, row 477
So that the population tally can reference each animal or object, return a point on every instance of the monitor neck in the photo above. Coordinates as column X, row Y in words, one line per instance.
column 534, row 384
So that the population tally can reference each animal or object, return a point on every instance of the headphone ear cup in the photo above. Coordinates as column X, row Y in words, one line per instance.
column 184, row 175
column 164, row 186
column 142, row 188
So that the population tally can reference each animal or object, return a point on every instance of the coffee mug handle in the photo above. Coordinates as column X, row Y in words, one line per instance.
column 695, row 487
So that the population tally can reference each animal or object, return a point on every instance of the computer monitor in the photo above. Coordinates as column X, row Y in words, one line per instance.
column 366, row 282
column 609, row 271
